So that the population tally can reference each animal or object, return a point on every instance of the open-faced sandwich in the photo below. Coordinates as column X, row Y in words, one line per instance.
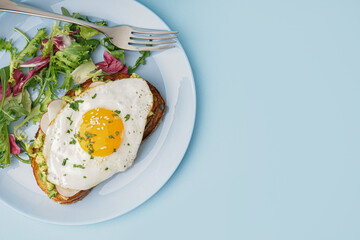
column 93, row 133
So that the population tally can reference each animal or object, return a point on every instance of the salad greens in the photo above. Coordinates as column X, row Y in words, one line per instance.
column 47, row 57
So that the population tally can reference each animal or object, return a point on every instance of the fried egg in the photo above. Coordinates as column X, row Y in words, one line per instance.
column 97, row 134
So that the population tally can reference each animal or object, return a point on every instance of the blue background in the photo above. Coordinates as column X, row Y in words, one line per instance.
column 275, row 150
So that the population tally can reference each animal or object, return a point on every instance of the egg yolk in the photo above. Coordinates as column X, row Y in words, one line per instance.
column 101, row 132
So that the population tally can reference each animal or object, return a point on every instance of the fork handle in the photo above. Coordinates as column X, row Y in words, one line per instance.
column 14, row 7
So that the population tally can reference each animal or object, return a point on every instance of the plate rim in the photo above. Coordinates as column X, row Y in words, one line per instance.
column 170, row 173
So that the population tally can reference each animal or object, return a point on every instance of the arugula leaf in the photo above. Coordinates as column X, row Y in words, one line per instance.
column 35, row 113
column 65, row 12
column 140, row 60
column 48, row 97
column 4, row 75
column 23, row 34
column 12, row 112
column 50, row 77
column 73, row 26
column 26, row 100
column 4, row 147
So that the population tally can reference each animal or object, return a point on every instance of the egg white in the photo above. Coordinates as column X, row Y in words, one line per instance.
column 130, row 96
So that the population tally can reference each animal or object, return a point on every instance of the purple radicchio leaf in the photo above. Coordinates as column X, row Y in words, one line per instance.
column 111, row 65
column 36, row 61
column 8, row 91
column 21, row 78
column 63, row 41
column 14, row 149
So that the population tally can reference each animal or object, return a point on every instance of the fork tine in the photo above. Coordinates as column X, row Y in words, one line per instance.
column 155, row 32
column 155, row 48
column 151, row 42
column 152, row 38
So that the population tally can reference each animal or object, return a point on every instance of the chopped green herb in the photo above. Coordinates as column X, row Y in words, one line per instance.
column 114, row 149
column 69, row 131
column 78, row 166
column 84, row 176
column 65, row 175
column 91, row 150
column 128, row 144
column 106, row 169
column 75, row 105
column 117, row 111
column 116, row 133
column 64, row 161
column 77, row 135
column 94, row 96
column 73, row 141
column 124, row 165
column 89, row 135
column 110, row 121
column 71, row 121
column 111, row 137
column 91, row 157
column 115, row 114
column 127, row 117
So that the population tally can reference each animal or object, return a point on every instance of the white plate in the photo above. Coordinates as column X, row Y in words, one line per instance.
column 158, row 157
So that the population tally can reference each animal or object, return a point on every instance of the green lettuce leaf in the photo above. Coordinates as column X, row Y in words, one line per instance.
column 67, row 60
column 87, row 32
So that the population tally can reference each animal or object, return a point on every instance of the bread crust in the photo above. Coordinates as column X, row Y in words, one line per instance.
column 153, row 121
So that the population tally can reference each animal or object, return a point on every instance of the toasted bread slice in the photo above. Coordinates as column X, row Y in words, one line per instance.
column 158, row 110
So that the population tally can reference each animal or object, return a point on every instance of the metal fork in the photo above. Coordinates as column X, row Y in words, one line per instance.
column 124, row 37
